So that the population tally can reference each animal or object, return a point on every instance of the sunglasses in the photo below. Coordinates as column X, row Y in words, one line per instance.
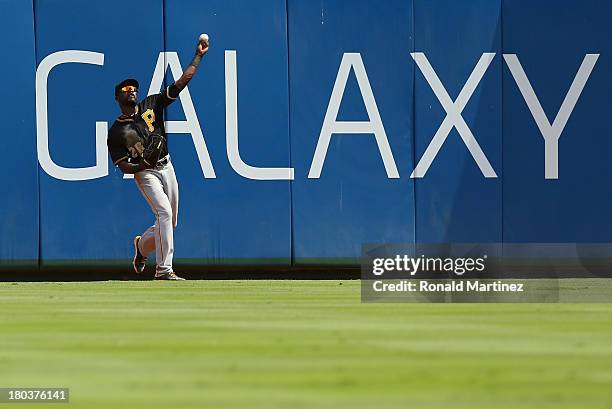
column 129, row 88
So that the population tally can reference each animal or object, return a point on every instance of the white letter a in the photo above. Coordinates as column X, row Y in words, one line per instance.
column 332, row 126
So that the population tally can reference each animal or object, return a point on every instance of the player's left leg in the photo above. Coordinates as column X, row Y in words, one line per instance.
column 153, row 187
column 147, row 242
column 173, row 192
column 170, row 184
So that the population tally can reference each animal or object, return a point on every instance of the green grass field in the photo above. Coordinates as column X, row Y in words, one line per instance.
column 297, row 344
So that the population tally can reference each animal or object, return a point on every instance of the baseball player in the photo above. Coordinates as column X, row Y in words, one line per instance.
column 137, row 145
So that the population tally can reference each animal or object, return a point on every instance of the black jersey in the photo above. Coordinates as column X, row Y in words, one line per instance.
column 128, row 136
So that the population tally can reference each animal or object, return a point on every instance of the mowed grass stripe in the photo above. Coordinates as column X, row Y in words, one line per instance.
column 297, row 344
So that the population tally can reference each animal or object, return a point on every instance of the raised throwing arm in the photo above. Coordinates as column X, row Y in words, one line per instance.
column 191, row 69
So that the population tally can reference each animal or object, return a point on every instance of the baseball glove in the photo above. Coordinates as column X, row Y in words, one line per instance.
column 151, row 152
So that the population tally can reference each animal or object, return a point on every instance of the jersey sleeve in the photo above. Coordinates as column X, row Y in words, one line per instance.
column 167, row 96
column 116, row 148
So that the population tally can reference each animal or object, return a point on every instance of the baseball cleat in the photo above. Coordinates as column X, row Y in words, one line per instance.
column 169, row 276
column 139, row 260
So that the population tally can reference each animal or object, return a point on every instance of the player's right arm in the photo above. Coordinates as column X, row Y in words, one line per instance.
column 191, row 69
column 171, row 93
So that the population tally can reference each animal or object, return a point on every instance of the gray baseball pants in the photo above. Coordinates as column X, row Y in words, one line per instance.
column 160, row 189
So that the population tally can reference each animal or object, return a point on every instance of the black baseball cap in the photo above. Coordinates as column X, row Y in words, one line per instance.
column 125, row 83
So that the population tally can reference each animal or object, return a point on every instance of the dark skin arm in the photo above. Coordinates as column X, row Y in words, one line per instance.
column 202, row 48
column 190, row 71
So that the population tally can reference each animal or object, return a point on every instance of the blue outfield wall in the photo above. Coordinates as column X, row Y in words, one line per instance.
column 551, row 47
column 457, row 198
column 311, row 128
column 349, row 63
column 19, row 208
column 233, row 218
column 90, row 220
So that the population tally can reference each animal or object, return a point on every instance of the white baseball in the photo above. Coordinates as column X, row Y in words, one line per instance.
column 204, row 38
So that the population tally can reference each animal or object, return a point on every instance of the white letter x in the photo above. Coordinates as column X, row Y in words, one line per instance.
column 453, row 115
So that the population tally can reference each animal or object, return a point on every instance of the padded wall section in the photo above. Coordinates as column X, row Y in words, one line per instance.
column 353, row 200
column 19, row 207
column 233, row 219
column 92, row 220
column 551, row 42
column 458, row 190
